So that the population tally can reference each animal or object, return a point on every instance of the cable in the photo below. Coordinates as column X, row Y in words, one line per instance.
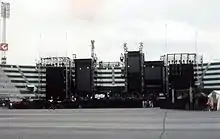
column 164, row 123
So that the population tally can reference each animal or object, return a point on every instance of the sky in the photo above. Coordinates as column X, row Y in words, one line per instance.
column 40, row 28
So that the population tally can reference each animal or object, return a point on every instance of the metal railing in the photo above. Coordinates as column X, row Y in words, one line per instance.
column 22, row 74
column 7, row 87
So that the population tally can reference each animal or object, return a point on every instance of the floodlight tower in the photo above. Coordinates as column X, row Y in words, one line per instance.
column 5, row 14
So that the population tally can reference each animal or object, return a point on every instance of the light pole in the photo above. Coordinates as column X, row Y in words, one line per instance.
column 166, row 63
column 39, row 67
column 5, row 14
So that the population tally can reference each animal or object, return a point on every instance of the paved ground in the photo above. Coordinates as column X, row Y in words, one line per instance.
column 108, row 124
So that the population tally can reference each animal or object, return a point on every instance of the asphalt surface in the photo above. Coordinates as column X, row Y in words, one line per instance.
column 108, row 124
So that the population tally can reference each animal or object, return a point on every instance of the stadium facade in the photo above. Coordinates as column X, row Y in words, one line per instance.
column 211, row 79
column 109, row 75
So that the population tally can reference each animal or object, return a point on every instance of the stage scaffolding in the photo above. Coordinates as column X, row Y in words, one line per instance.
column 65, row 62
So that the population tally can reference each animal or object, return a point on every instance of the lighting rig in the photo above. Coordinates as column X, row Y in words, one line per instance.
column 94, row 64
column 141, row 46
column 124, row 60
column 64, row 62
column 178, row 60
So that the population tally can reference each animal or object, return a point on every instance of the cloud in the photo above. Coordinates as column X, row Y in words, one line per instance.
column 201, row 13
column 111, row 23
column 86, row 9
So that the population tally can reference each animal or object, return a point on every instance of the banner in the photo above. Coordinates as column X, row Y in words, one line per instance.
column 3, row 47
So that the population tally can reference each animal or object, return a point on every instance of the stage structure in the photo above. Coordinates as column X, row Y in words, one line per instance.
column 62, row 66
column 134, row 71
column 153, row 78
column 84, row 77
column 181, row 75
